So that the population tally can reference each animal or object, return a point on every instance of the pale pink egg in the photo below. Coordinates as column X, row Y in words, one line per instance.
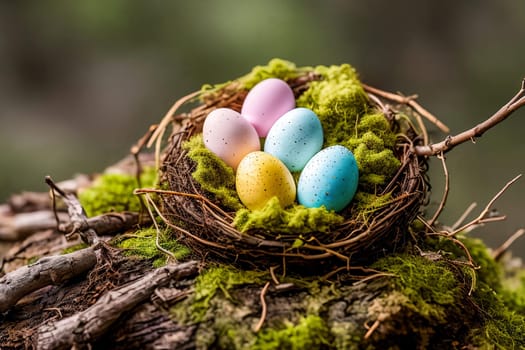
column 266, row 102
column 227, row 134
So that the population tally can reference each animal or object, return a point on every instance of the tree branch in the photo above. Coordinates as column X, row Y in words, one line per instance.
column 85, row 327
column 15, row 227
column 450, row 142
column 48, row 270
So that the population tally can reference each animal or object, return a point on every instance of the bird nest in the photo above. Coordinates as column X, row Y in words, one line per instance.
column 208, row 226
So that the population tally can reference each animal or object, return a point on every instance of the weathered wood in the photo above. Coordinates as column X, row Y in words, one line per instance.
column 47, row 270
column 17, row 226
column 87, row 326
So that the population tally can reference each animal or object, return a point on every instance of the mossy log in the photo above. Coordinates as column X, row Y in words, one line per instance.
column 416, row 300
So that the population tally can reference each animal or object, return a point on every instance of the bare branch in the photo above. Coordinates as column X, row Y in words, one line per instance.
column 48, row 270
column 450, row 142
column 498, row 253
column 409, row 101
column 485, row 217
column 438, row 212
column 76, row 213
column 85, row 327
column 14, row 227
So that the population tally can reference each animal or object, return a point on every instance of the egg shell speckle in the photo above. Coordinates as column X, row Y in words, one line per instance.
column 330, row 178
column 227, row 134
column 295, row 138
column 266, row 102
column 260, row 176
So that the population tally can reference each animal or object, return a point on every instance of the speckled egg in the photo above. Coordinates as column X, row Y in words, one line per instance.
column 266, row 102
column 260, row 176
column 295, row 138
column 227, row 134
column 329, row 179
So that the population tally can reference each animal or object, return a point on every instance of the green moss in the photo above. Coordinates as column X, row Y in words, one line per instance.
column 366, row 203
column 338, row 100
column 296, row 219
column 514, row 291
column 217, row 279
column 431, row 288
column 141, row 244
column 114, row 193
column 212, row 173
column 276, row 68
column 309, row 332
column 74, row 248
column 501, row 309
column 346, row 335
column 33, row 260
column 343, row 108
column 502, row 326
column 488, row 270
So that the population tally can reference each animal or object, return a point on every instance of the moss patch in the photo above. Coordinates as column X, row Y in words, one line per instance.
column 431, row 288
column 217, row 279
column 309, row 332
column 74, row 248
column 212, row 173
column 276, row 68
column 114, row 193
column 141, row 244
column 343, row 108
column 296, row 219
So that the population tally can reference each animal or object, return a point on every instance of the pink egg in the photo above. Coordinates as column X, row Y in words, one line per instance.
column 227, row 134
column 266, row 102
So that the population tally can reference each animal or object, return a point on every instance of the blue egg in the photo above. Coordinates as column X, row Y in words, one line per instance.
column 330, row 178
column 295, row 137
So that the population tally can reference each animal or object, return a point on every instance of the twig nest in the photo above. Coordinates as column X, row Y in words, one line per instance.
column 379, row 176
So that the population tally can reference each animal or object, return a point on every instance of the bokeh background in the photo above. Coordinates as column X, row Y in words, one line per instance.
column 80, row 81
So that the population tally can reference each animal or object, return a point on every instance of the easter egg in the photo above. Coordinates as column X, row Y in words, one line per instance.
column 260, row 176
column 295, row 138
column 329, row 179
column 266, row 102
column 227, row 134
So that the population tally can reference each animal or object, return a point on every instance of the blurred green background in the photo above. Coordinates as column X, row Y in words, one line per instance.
column 80, row 81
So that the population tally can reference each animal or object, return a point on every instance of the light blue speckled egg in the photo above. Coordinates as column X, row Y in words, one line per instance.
column 330, row 178
column 295, row 137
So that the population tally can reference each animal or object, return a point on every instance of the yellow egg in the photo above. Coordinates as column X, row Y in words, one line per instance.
column 261, row 176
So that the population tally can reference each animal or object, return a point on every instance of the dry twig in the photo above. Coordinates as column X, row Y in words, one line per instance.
column 498, row 253
column 450, row 142
column 264, row 311
column 77, row 215
column 485, row 217
column 438, row 212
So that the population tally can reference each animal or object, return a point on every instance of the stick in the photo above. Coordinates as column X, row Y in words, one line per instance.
column 498, row 253
column 483, row 217
column 48, row 270
column 18, row 226
column 438, row 212
column 77, row 215
column 450, row 142
column 107, row 224
column 89, row 325
column 409, row 101
column 264, row 311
